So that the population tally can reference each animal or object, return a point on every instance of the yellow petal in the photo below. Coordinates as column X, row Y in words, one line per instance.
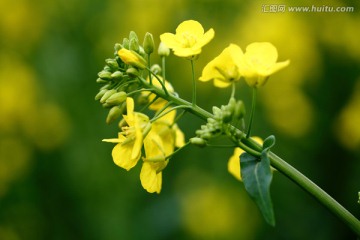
column 186, row 52
column 121, row 154
column 169, row 40
column 221, row 84
column 205, row 39
column 179, row 137
column 190, row 26
column 234, row 163
column 261, row 54
column 150, row 180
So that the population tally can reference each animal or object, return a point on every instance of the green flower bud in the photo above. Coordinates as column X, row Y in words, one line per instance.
column 156, row 69
column 133, row 35
column 117, row 98
column 163, row 50
column 227, row 116
column 112, row 63
column 217, row 111
column 114, row 113
column 239, row 111
column 148, row 43
column 105, row 75
column 126, row 43
column 117, row 47
column 106, row 95
column 99, row 80
column 106, row 87
column 134, row 45
column 198, row 141
column 100, row 94
column 132, row 72
column 117, row 75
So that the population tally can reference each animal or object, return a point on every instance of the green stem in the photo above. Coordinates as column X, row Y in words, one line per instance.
column 253, row 105
column 252, row 147
column 163, row 67
column 194, row 83
column 233, row 90
column 149, row 66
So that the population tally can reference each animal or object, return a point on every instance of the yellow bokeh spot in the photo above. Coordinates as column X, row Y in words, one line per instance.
column 210, row 211
column 347, row 125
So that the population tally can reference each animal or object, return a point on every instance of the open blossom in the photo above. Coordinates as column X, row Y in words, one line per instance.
column 127, row 151
column 259, row 62
column 225, row 68
column 234, row 161
column 188, row 40
column 159, row 144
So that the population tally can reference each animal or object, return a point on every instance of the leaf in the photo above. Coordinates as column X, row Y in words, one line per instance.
column 256, row 175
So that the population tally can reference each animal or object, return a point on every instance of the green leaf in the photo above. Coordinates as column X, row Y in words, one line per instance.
column 256, row 175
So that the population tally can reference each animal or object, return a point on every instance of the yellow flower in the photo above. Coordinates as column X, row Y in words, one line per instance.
column 159, row 144
column 160, row 102
column 224, row 69
column 259, row 62
column 234, row 161
column 132, row 58
column 188, row 40
column 127, row 151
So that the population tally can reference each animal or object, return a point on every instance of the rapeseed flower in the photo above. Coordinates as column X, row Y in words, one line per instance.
column 127, row 151
column 259, row 62
column 225, row 68
column 188, row 40
column 159, row 144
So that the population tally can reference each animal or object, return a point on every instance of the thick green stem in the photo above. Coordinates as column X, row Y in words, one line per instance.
column 252, row 147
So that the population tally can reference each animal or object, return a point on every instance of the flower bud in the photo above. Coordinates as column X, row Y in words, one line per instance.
column 99, row 80
column 156, row 69
column 126, row 43
column 106, row 95
column 134, row 45
column 132, row 72
column 148, row 43
column 239, row 111
column 116, row 98
column 132, row 58
column 117, row 47
column 163, row 50
column 198, row 141
column 117, row 75
column 105, row 75
column 133, row 35
column 100, row 94
column 114, row 113
column 112, row 63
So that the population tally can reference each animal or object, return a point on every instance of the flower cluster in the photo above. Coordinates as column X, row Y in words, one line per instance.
column 255, row 65
column 140, row 137
column 151, row 134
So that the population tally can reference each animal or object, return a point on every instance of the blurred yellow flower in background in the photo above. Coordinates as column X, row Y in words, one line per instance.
column 188, row 40
column 224, row 69
column 234, row 161
column 259, row 62
column 127, row 151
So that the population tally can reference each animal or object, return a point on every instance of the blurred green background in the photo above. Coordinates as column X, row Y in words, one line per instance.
column 57, row 179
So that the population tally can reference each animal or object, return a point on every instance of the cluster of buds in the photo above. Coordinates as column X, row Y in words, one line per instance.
column 118, row 73
column 221, row 122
